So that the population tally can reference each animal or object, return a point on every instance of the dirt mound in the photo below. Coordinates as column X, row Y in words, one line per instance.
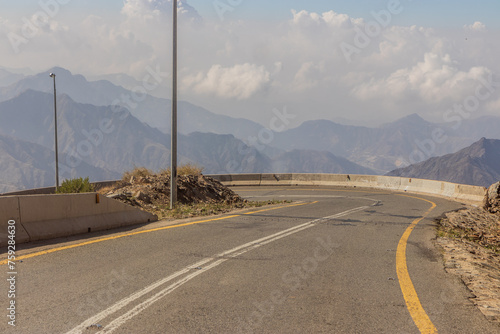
column 471, row 244
column 474, row 225
column 152, row 192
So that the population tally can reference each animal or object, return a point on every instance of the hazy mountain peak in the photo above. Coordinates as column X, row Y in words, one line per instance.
column 58, row 71
column 478, row 164
column 482, row 147
column 414, row 120
column 318, row 124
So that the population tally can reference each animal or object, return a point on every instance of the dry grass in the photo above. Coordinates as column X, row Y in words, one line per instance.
column 105, row 190
column 136, row 172
column 187, row 169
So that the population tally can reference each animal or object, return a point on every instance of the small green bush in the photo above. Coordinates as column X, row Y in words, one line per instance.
column 76, row 186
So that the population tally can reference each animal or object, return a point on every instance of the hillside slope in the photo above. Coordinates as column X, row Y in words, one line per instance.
column 26, row 165
column 149, row 109
column 478, row 164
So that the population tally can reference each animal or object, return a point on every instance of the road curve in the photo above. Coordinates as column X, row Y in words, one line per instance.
column 332, row 261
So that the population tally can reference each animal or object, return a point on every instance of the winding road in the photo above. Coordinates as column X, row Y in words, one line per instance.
column 331, row 261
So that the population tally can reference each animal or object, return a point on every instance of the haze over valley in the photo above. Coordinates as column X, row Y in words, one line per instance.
column 111, row 133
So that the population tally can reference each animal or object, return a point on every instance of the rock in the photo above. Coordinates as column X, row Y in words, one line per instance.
column 142, row 196
column 492, row 199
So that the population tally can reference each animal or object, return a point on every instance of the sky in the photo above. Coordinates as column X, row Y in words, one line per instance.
column 361, row 62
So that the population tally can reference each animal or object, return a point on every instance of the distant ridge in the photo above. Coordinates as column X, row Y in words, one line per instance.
column 28, row 165
column 478, row 164
column 103, row 143
column 382, row 148
column 151, row 110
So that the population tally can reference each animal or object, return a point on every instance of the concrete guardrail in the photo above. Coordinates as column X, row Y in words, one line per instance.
column 39, row 217
column 457, row 192
column 52, row 190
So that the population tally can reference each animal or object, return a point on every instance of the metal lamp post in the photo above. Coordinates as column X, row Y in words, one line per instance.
column 52, row 75
column 173, row 152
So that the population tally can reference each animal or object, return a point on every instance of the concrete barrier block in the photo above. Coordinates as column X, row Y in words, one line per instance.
column 44, row 230
column 52, row 216
column 363, row 181
column 338, row 180
column 306, row 179
column 276, row 179
column 244, row 180
column 469, row 194
column 9, row 210
column 389, row 182
column 448, row 189
column 319, row 179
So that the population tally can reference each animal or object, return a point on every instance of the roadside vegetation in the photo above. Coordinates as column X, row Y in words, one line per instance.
column 75, row 186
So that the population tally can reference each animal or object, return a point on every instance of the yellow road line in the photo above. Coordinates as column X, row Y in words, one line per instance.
column 58, row 249
column 417, row 312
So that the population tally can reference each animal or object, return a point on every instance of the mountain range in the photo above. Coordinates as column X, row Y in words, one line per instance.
column 478, row 164
column 112, row 129
column 389, row 146
column 29, row 165
column 104, row 141
column 151, row 110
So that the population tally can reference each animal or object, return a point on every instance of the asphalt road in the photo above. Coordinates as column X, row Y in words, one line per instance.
column 333, row 261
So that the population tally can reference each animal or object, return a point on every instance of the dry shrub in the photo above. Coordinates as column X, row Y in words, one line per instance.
column 136, row 173
column 187, row 169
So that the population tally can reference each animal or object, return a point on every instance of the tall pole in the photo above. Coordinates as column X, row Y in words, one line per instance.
column 52, row 75
column 173, row 152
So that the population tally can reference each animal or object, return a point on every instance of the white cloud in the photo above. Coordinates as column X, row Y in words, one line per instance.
column 476, row 27
column 148, row 9
column 5, row 28
column 494, row 107
column 329, row 19
column 436, row 79
column 309, row 76
column 403, row 69
column 239, row 82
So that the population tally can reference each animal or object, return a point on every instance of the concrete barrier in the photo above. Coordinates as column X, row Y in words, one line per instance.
column 9, row 211
column 457, row 192
column 52, row 190
column 40, row 217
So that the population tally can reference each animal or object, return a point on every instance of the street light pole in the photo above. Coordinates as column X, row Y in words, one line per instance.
column 52, row 75
column 173, row 151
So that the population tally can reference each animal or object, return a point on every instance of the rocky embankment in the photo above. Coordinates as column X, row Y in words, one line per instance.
column 470, row 239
